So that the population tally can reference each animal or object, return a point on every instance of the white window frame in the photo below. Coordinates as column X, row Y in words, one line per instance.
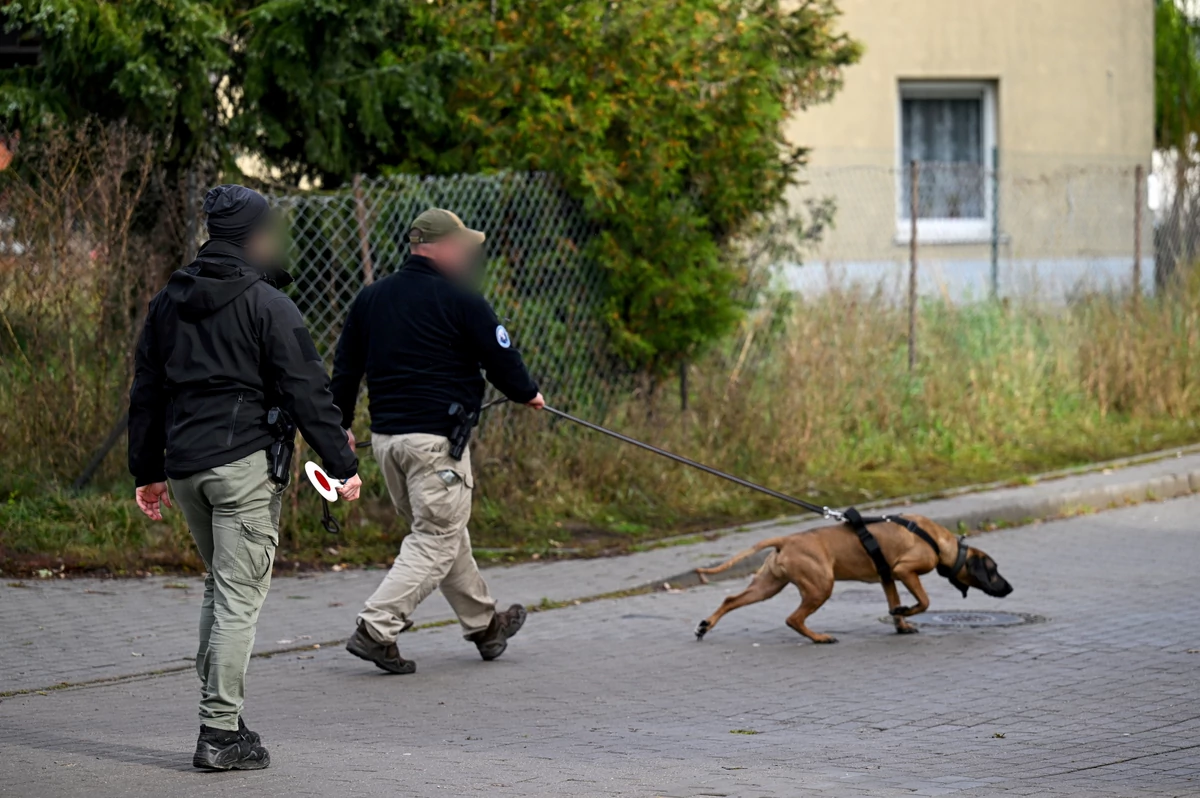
column 947, row 231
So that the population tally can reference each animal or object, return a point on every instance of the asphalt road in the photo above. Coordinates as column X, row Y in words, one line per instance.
column 615, row 697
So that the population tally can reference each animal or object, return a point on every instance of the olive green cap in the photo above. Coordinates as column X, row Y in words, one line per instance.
column 438, row 223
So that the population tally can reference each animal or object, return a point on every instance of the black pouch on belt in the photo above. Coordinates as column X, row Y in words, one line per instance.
column 279, row 455
column 465, row 421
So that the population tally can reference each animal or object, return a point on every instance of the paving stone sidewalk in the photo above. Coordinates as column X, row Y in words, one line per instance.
column 615, row 698
column 80, row 630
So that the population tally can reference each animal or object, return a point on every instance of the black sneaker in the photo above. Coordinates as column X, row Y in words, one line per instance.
column 386, row 657
column 218, row 749
column 492, row 641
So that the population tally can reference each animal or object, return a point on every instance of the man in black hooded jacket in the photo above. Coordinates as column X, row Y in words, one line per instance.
column 221, row 346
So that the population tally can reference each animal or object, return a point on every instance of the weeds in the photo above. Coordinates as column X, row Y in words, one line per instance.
column 826, row 410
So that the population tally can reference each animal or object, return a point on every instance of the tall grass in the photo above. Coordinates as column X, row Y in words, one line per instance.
column 817, row 400
column 829, row 410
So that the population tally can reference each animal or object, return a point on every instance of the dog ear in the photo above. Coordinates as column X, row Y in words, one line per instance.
column 977, row 568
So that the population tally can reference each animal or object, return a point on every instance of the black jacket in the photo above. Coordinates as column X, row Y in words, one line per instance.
column 220, row 347
column 421, row 339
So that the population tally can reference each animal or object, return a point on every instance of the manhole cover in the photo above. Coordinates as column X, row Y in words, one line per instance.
column 970, row 619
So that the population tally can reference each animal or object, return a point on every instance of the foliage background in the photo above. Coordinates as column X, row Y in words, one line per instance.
column 664, row 118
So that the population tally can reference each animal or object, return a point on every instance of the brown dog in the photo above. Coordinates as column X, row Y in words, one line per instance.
column 815, row 559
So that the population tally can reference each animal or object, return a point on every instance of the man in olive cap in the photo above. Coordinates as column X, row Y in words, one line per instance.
column 222, row 345
column 420, row 337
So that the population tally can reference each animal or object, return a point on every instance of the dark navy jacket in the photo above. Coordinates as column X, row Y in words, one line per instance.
column 421, row 340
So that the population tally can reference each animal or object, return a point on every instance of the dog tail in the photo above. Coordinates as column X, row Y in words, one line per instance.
column 769, row 543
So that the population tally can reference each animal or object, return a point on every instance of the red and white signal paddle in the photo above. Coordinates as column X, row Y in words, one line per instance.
column 326, row 486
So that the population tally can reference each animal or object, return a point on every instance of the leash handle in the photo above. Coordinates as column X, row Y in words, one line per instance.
column 327, row 520
column 745, row 483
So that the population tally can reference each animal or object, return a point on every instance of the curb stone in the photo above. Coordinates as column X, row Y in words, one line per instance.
column 135, row 628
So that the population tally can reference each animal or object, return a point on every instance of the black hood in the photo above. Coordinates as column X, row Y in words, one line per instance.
column 217, row 277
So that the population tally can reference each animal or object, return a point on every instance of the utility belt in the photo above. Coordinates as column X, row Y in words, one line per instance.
column 283, row 445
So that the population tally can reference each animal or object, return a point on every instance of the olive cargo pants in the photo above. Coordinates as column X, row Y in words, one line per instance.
column 233, row 513
column 432, row 492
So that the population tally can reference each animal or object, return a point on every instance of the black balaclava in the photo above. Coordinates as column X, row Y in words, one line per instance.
column 234, row 213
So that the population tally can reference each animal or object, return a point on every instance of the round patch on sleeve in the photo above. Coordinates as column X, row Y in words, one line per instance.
column 502, row 336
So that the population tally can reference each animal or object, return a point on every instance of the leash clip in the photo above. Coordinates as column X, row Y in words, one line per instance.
column 835, row 515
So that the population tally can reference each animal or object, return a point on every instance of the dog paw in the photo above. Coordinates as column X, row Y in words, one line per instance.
column 824, row 639
column 702, row 629
column 907, row 630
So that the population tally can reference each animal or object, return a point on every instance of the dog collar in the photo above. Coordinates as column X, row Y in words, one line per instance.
column 951, row 571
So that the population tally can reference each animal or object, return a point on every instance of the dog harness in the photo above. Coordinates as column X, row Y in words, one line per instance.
column 858, row 524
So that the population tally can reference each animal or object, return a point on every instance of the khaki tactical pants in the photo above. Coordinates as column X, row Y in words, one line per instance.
column 233, row 513
column 432, row 492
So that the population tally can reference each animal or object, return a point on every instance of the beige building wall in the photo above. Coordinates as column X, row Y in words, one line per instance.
column 1073, row 114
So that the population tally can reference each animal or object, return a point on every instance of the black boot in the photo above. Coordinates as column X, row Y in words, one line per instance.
column 247, row 734
column 218, row 749
column 492, row 641
column 385, row 656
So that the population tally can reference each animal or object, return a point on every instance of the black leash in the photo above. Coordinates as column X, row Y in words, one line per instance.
column 745, row 483
column 850, row 516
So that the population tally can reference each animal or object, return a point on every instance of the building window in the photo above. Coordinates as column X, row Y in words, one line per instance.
column 950, row 129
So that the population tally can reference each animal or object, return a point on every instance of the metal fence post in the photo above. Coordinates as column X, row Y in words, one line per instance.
column 1139, row 180
column 683, row 385
column 539, row 274
column 190, row 224
column 995, row 222
column 914, row 197
column 364, row 242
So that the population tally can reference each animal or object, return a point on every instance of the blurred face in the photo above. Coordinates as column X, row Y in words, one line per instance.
column 454, row 255
column 265, row 246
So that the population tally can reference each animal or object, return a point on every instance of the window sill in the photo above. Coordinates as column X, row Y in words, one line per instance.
column 945, row 231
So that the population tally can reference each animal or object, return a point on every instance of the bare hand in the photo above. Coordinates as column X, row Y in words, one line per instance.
column 537, row 402
column 350, row 488
column 151, row 497
column 350, row 440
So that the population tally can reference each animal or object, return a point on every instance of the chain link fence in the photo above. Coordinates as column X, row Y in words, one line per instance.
column 1175, row 202
column 538, row 276
column 1038, row 226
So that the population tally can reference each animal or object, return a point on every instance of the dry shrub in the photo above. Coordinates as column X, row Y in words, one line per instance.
column 1142, row 359
column 76, row 273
